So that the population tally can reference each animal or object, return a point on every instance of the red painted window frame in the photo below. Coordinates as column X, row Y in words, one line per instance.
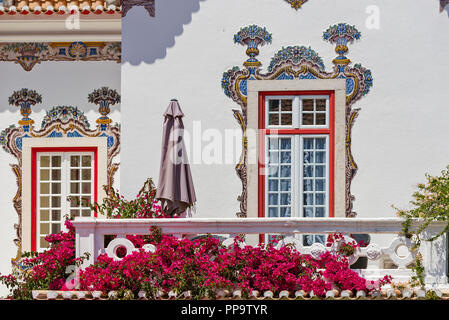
column 264, row 132
column 34, row 152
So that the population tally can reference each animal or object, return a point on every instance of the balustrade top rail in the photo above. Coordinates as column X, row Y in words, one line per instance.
column 189, row 226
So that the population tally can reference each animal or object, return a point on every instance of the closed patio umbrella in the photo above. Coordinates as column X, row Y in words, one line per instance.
column 175, row 186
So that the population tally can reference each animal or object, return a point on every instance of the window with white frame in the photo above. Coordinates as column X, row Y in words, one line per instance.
column 60, row 176
column 298, row 156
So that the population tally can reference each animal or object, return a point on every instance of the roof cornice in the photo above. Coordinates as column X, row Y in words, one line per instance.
column 61, row 28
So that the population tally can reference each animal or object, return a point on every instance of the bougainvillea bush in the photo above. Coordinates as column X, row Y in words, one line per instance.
column 200, row 266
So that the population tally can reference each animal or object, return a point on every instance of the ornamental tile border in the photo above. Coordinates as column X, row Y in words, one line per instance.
column 296, row 4
column 297, row 62
column 60, row 121
column 28, row 54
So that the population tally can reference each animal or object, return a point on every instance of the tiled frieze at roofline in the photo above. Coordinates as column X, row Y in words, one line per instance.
column 28, row 54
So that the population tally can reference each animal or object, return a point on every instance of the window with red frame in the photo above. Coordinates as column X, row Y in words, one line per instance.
column 297, row 148
column 60, row 173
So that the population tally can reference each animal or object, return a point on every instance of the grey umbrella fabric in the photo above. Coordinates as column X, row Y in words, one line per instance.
column 175, row 186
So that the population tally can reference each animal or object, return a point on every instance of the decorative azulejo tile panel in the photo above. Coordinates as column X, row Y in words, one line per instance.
column 298, row 62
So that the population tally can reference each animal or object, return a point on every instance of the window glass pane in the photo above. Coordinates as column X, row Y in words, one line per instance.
column 56, row 202
column 75, row 201
column 286, row 104
column 55, row 228
column 56, row 188
column 319, row 199
column 273, row 119
column 45, row 215
column 272, row 198
column 56, row 215
column 45, row 228
column 74, row 161
column 85, row 201
column 286, row 212
column 273, row 143
column 286, row 199
column 74, row 213
column 273, row 171
column 45, row 174
column 273, row 185
column 308, row 144
column 319, row 184
column 307, row 119
column 74, row 174
column 86, row 187
column 55, row 174
column 45, row 188
column 45, row 161
column 308, row 185
column 320, row 119
column 320, row 104
column 319, row 171
column 308, row 199
column 308, row 157
column 86, row 213
column 274, row 157
column 307, row 104
column 45, row 202
column 273, row 212
column 286, row 119
column 320, row 157
column 286, row 157
column 320, row 143
column 273, row 105
column 308, row 171
column 86, row 161
column 56, row 161
column 86, row 174
column 308, row 212
column 74, row 187
column 43, row 243
column 319, row 212
column 286, row 185
column 286, row 144
column 286, row 171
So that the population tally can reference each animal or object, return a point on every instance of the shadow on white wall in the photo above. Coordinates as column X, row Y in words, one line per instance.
column 146, row 39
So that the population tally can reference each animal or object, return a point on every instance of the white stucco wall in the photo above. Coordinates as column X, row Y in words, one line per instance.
column 59, row 83
column 400, row 134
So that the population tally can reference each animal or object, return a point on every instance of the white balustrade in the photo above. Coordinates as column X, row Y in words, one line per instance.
column 90, row 234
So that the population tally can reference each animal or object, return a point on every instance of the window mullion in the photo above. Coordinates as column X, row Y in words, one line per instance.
column 38, row 201
column 296, row 112
column 64, row 176
column 327, row 179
